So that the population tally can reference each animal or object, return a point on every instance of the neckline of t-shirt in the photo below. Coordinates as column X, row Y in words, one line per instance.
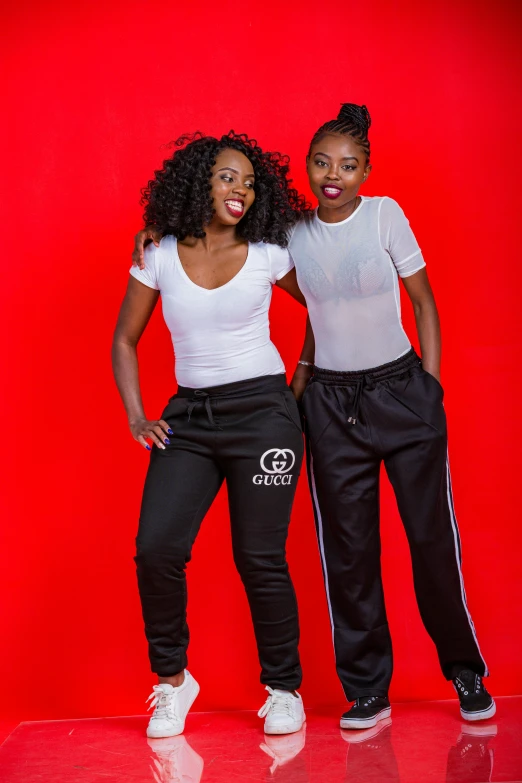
column 346, row 220
column 210, row 290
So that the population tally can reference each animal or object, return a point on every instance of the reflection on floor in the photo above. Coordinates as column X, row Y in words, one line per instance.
column 422, row 743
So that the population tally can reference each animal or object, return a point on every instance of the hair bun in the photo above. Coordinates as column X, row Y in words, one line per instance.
column 358, row 115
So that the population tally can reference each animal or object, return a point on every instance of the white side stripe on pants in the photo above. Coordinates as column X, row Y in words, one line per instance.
column 458, row 556
column 456, row 538
column 320, row 540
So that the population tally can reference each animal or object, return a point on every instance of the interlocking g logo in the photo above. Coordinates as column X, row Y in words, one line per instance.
column 275, row 463
column 279, row 460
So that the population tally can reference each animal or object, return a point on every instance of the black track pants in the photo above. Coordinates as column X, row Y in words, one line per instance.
column 399, row 418
column 249, row 434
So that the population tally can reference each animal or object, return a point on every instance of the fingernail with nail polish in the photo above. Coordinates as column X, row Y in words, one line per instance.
column 171, row 432
column 166, row 440
column 147, row 447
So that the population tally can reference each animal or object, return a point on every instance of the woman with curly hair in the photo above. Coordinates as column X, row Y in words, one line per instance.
column 222, row 207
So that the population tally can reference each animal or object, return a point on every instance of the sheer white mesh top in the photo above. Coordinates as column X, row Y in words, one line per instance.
column 348, row 272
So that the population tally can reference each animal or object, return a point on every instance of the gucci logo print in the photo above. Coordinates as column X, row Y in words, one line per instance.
column 276, row 465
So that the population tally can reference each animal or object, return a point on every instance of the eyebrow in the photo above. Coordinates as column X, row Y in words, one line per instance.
column 229, row 168
column 347, row 157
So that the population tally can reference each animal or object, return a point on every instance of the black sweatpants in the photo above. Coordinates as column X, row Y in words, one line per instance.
column 354, row 421
column 249, row 434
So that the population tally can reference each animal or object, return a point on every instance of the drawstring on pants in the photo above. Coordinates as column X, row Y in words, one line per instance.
column 352, row 419
column 227, row 392
column 359, row 384
column 364, row 379
column 201, row 396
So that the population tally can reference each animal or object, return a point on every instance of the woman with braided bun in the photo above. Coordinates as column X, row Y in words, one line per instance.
column 220, row 209
column 368, row 398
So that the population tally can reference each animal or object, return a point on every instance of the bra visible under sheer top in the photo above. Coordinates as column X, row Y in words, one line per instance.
column 348, row 272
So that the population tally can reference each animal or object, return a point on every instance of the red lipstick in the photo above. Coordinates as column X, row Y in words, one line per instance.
column 331, row 191
column 235, row 206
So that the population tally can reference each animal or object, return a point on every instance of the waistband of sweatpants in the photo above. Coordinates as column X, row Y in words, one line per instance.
column 262, row 385
column 381, row 373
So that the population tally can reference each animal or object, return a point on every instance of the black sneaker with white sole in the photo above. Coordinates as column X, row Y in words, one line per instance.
column 475, row 702
column 366, row 712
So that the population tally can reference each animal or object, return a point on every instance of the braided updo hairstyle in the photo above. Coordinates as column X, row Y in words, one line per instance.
column 178, row 200
column 353, row 120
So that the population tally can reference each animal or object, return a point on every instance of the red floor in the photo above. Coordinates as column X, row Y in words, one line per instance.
column 423, row 743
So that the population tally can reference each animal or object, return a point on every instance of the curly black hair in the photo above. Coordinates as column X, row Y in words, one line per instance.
column 353, row 120
column 178, row 202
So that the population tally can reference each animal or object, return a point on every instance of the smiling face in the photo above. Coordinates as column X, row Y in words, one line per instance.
column 232, row 182
column 337, row 167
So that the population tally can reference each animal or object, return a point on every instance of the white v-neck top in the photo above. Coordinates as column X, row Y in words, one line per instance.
column 348, row 273
column 220, row 335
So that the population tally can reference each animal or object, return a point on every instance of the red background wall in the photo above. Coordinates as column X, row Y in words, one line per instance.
column 91, row 95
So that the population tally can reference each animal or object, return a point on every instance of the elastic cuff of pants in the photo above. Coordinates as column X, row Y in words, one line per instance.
column 168, row 673
column 283, row 686
column 166, row 670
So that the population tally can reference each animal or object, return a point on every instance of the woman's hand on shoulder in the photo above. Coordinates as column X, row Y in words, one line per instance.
column 141, row 240
column 157, row 431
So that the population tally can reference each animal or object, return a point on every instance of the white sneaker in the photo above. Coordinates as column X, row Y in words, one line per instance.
column 171, row 706
column 284, row 712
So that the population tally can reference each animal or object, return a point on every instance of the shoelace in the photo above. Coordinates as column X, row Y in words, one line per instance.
column 278, row 702
column 459, row 685
column 162, row 703
column 366, row 703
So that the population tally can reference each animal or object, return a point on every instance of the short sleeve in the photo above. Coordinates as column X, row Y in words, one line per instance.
column 290, row 233
column 149, row 275
column 398, row 240
column 280, row 262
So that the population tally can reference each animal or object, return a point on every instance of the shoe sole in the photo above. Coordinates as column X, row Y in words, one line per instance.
column 289, row 728
column 365, row 723
column 482, row 715
column 158, row 734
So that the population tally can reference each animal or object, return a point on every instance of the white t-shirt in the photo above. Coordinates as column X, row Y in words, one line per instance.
column 348, row 272
column 223, row 335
